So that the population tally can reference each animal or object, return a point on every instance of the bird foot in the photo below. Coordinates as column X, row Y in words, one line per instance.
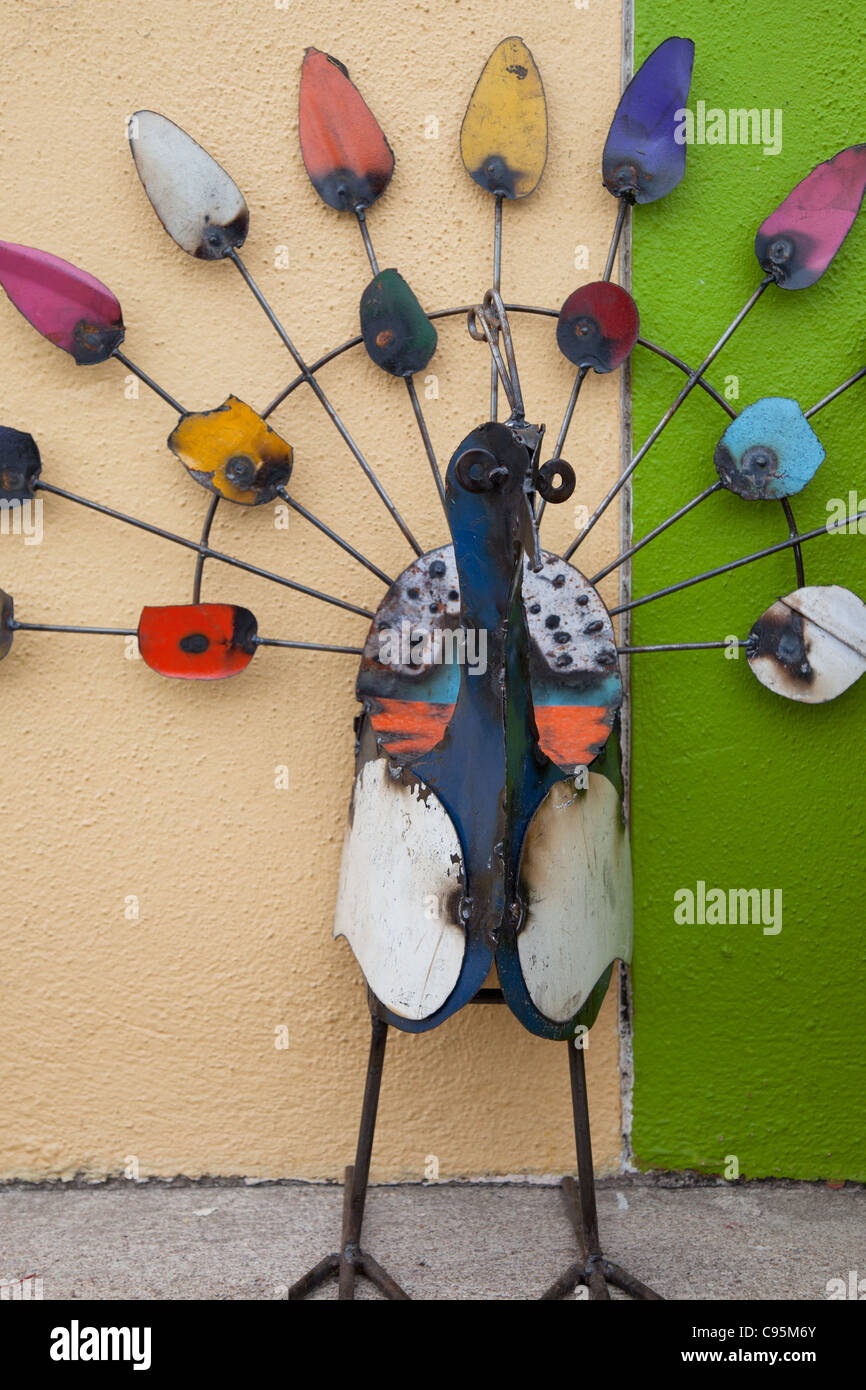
column 592, row 1272
column 593, row 1275
column 346, row 1267
column 351, row 1260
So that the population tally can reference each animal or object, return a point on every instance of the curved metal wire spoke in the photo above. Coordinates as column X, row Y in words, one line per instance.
column 205, row 538
column 316, row 366
column 309, row 377
column 657, row 531
column 332, row 535
column 737, row 564
column 148, row 381
column 203, row 549
column 461, row 309
column 684, row 367
column 831, row 396
column 356, row 341
column 307, row 646
column 681, row 647
column 668, row 415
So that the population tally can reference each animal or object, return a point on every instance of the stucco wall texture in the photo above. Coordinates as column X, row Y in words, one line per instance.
column 148, row 1045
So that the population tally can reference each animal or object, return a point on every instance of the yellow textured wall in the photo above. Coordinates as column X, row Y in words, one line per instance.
column 155, row 1038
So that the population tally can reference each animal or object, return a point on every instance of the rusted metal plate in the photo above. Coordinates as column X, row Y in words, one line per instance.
column 399, row 889
column 577, row 884
column 344, row 149
column 410, row 671
column 643, row 160
column 503, row 139
column 20, row 464
column 196, row 201
column 67, row 306
column 598, row 326
column 7, row 615
column 234, row 452
column 810, row 645
column 797, row 242
column 769, row 451
column 197, row 641
column 397, row 333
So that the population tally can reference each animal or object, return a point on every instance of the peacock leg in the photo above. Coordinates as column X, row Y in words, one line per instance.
column 352, row 1260
column 592, row 1268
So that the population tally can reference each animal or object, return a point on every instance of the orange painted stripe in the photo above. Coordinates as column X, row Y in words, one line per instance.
column 410, row 726
column 570, row 735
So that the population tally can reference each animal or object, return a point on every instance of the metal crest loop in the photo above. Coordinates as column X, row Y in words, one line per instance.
column 486, row 322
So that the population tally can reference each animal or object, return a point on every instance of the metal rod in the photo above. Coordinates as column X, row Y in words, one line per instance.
column 426, row 441
column 792, row 532
column 682, row 647
column 308, row 376
column 366, row 1132
column 737, row 564
column 307, row 646
column 203, row 549
column 651, row 535
column 148, row 381
column 624, row 205
column 352, row 1260
column 348, row 1250
column 579, row 379
column 382, row 1279
column 15, row 626
column 621, row 1279
column 314, row 1277
column 205, row 538
column 575, row 1274
column 569, row 411
column 669, row 415
column 825, row 400
column 583, row 1145
column 332, row 535
column 497, row 285
column 368, row 245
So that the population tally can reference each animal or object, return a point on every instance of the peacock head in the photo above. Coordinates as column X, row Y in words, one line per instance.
column 490, row 489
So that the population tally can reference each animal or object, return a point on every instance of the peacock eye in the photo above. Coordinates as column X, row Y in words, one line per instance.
column 479, row 470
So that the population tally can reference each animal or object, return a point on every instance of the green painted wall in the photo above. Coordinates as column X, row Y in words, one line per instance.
column 748, row 1044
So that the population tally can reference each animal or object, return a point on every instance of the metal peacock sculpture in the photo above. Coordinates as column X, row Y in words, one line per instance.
column 487, row 834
